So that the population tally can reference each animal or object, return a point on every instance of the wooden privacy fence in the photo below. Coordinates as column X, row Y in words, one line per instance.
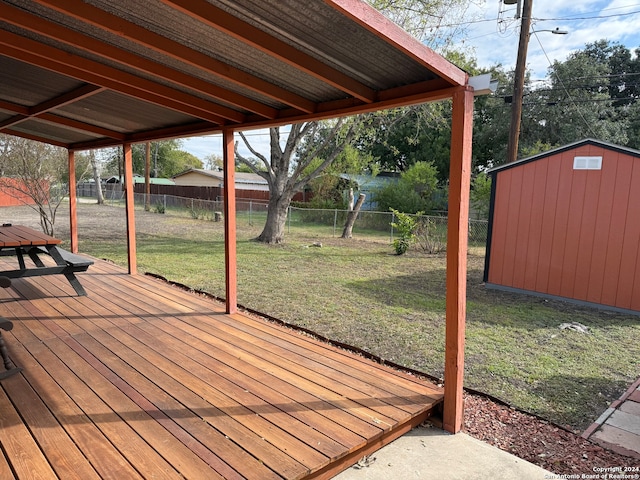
column 185, row 191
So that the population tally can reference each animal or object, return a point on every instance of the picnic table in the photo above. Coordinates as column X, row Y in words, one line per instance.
column 19, row 240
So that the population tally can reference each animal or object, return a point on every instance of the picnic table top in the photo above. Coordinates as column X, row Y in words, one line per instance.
column 21, row 236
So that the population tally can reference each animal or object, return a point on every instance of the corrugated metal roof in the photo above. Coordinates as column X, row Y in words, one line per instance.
column 104, row 72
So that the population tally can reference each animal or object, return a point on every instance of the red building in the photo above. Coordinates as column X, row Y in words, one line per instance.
column 566, row 224
column 11, row 193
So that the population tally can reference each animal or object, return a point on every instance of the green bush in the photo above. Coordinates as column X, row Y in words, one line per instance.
column 399, row 196
column 406, row 226
column 159, row 207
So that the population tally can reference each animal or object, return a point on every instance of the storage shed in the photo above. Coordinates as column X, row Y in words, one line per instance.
column 566, row 224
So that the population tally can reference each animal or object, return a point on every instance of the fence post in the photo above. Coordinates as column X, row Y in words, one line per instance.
column 164, row 203
column 393, row 219
column 250, row 212
column 335, row 221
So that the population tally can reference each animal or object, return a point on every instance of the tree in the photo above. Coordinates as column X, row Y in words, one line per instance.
column 491, row 123
column 286, row 175
column 580, row 100
column 416, row 191
column 354, row 209
column 424, row 18
column 481, row 194
column 410, row 135
column 213, row 162
column 287, row 170
column 96, row 168
column 167, row 159
column 36, row 170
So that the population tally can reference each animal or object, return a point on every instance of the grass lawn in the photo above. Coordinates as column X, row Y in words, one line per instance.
column 357, row 292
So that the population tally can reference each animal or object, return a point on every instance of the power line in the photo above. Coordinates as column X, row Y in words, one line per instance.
column 567, row 18
column 596, row 17
column 565, row 89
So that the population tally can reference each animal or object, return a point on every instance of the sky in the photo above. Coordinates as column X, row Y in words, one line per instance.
column 491, row 35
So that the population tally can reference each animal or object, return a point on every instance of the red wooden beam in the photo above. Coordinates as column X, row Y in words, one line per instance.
column 231, row 278
column 129, row 207
column 73, row 211
column 457, row 239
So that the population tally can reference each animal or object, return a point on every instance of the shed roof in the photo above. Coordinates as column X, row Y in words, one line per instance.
column 100, row 73
column 570, row 146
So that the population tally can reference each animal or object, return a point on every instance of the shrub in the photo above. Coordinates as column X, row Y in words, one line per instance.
column 159, row 207
column 399, row 196
column 431, row 235
column 406, row 226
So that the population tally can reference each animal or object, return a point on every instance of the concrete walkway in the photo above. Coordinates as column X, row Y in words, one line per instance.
column 618, row 428
column 431, row 453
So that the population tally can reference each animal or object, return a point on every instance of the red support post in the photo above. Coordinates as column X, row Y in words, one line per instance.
column 73, row 205
column 129, row 207
column 457, row 239
column 231, row 278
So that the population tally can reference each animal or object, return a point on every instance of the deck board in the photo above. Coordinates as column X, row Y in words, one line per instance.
column 142, row 379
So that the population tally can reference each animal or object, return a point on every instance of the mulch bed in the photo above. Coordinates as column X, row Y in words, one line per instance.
column 535, row 440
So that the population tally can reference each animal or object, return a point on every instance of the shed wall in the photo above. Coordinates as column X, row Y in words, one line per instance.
column 569, row 233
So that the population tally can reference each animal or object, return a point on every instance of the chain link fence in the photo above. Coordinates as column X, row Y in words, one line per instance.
column 431, row 231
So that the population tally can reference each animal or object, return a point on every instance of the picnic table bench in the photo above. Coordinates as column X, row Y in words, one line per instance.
column 19, row 240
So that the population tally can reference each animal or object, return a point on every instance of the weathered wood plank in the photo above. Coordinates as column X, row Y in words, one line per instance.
column 106, row 459
column 22, row 451
column 114, row 424
column 64, row 456
column 5, row 469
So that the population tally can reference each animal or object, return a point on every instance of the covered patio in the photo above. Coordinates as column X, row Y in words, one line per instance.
column 102, row 73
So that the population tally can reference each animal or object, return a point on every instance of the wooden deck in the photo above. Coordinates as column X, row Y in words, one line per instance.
column 141, row 379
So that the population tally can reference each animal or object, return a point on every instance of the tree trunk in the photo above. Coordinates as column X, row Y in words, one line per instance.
column 96, row 177
column 273, row 231
column 351, row 217
column 147, row 178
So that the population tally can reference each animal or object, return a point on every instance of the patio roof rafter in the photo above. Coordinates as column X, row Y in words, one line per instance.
column 272, row 46
column 381, row 26
column 170, row 75
column 44, row 107
column 96, row 73
column 118, row 26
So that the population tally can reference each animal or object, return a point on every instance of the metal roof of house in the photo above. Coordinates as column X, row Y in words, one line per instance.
column 103, row 72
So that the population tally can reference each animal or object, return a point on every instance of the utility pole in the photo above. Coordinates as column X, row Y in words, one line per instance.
column 518, row 82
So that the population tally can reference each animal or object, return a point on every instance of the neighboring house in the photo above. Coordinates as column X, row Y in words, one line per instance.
column 566, row 224
column 140, row 179
column 369, row 184
column 215, row 178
